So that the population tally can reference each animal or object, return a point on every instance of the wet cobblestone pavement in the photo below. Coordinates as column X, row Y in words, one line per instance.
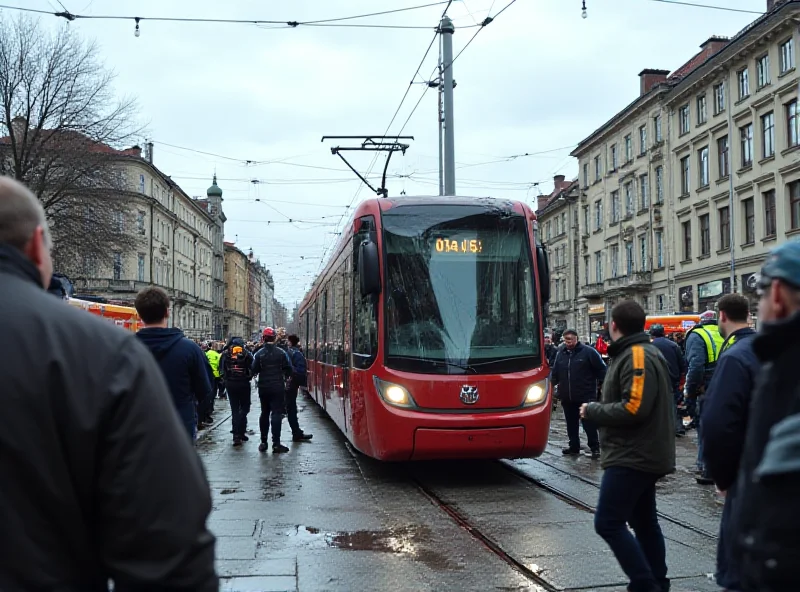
column 323, row 517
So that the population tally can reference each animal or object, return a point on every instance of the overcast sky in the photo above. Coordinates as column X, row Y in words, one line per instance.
column 539, row 78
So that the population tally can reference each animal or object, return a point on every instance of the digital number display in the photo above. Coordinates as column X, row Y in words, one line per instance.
column 465, row 246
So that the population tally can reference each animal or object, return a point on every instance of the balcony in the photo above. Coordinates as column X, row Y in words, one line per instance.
column 109, row 285
column 592, row 291
column 638, row 280
column 560, row 307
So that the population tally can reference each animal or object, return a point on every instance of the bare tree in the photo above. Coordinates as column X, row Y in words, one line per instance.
column 61, row 127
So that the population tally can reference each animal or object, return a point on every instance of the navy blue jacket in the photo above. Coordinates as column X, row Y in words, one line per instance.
column 724, row 419
column 298, row 361
column 272, row 365
column 676, row 361
column 184, row 366
column 576, row 372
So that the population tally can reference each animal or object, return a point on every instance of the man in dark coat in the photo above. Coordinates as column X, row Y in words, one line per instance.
column 766, row 517
column 273, row 367
column 236, row 366
column 725, row 418
column 183, row 363
column 576, row 371
column 676, row 362
column 98, row 480
column 638, row 438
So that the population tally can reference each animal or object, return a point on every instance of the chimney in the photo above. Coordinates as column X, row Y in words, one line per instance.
column 558, row 181
column 148, row 152
column 136, row 151
column 713, row 45
column 541, row 202
column 18, row 127
column 648, row 78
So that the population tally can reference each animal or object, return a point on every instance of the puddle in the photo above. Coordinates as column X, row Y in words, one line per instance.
column 402, row 541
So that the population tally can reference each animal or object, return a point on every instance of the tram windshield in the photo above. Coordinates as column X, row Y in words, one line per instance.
column 459, row 290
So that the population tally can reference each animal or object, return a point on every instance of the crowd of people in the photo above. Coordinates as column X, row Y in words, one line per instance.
column 743, row 397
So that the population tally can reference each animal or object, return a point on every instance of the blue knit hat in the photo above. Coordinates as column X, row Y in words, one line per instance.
column 783, row 263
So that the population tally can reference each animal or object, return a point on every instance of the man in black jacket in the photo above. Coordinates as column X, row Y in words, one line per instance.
column 725, row 418
column 183, row 363
column 676, row 362
column 236, row 366
column 576, row 371
column 98, row 479
column 273, row 367
column 766, row 517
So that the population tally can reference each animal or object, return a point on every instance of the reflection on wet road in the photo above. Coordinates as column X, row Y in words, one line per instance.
column 325, row 518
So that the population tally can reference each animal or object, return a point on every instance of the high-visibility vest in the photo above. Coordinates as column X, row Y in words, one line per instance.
column 713, row 341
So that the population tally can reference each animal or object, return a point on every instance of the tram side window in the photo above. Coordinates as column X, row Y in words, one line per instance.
column 330, row 357
column 313, row 332
column 322, row 343
column 304, row 325
column 346, row 309
column 365, row 309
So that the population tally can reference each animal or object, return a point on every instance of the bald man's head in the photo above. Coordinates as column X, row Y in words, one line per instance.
column 23, row 225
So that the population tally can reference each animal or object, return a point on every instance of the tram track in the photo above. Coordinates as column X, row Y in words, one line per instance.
column 586, row 506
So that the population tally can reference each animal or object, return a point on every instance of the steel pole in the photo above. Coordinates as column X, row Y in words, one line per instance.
column 440, row 121
column 447, row 29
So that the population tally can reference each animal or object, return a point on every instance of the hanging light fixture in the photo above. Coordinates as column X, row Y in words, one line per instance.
column 136, row 31
column 584, row 12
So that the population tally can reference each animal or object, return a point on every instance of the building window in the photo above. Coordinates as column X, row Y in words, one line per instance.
column 719, row 98
column 768, row 134
column 770, row 223
column 705, row 235
column 743, row 76
column 140, row 218
column 660, row 185
column 746, row 134
column 117, row 265
column 702, row 113
column 586, row 219
column 586, row 278
column 686, row 228
column 659, row 249
column 749, row 211
column 723, row 157
column 598, row 169
column 683, row 119
column 787, row 55
column 547, row 233
column 614, row 206
column 724, row 228
column 598, row 267
column 702, row 158
column 598, row 215
column 141, row 183
column 586, row 175
column 646, row 303
column 643, row 252
column 644, row 192
column 140, row 267
column 613, row 157
column 629, row 259
column 119, row 221
column 614, row 261
column 762, row 71
column 792, row 129
column 629, row 199
column 628, row 148
column 657, row 128
column 685, row 186
column 563, row 222
column 660, row 300
column 794, row 204
column 642, row 140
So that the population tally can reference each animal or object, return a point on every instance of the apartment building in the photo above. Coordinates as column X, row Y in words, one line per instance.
column 735, row 140
column 557, row 215
column 685, row 191
column 175, row 247
column 237, row 282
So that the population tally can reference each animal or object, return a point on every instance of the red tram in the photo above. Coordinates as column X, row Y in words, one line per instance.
column 424, row 331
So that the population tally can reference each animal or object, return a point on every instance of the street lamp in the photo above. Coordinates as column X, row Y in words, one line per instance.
column 584, row 12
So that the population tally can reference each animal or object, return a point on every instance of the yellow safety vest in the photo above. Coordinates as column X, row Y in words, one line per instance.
column 713, row 341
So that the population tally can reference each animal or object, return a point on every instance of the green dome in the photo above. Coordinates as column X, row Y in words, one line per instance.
column 214, row 190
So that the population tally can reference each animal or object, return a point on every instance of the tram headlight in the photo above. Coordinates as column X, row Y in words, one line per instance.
column 394, row 394
column 536, row 393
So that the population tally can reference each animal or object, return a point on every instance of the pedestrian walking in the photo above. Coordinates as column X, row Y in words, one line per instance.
column 298, row 379
column 273, row 367
column 637, row 430
column 98, row 480
column 703, row 346
column 205, row 409
column 676, row 362
column 576, row 371
column 725, row 416
column 766, row 517
column 550, row 351
column 181, row 360
column 236, row 367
